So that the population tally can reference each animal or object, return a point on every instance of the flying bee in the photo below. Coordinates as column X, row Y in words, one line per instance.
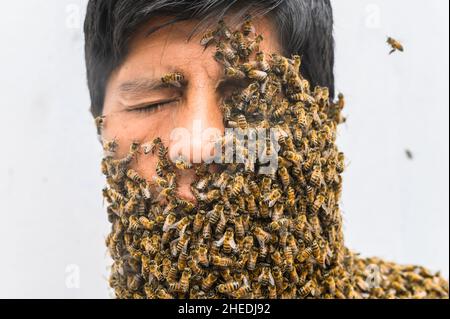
column 228, row 288
column 257, row 75
column 173, row 79
column 395, row 45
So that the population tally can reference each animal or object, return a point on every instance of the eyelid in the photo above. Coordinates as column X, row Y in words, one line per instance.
column 151, row 105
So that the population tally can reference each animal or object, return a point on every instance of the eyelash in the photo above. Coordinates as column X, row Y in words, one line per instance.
column 151, row 107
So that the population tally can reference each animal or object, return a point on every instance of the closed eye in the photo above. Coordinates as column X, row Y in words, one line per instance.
column 152, row 107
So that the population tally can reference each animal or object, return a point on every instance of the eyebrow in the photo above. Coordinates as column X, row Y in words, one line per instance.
column 144, row 85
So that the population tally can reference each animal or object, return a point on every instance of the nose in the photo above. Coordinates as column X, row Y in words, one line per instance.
column 199, row 121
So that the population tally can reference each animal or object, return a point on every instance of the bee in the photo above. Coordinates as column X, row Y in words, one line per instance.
column 227, row 52
column 293, row 157
column 262, row 236
column 239, row 227
column 202, row 256
column 228, row 242
column 340, row 167
column 248, row 92
column 284, row 176
column 258, row 75
column 199, row 219
column 266, row 278
column 318, row 203
column 173, row 79
column 169, row 222
column 263, row 65
column 185, row 279
column 134, row 176
column 248, row 28
column 297, row 63
column 238, row 185
column 223, row 30
column 254, row 46
column 220, row 228
column 209, row 196
column 223, row 262
column 395, row 45
column 305, row 255
column 208, row 38
column 163, row 294
column 234, row 73
column 243, row 291
column 100, row 124
column 253, row 257
column 228, row 288
column 214, row 215
column 182, row 163
column 306, row 289
column 209, row 281
column 207, row 231
column 272, row 198
column 151, row 147
column 196, row 269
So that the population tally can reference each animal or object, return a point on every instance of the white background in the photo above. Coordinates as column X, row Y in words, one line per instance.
column 53, row 223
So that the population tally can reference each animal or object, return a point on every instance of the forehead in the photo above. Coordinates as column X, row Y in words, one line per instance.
column 174, row 48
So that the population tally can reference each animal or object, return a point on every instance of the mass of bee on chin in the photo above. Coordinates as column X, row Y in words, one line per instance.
column 249, row 235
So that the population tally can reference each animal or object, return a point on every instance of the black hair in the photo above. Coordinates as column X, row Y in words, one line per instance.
column 304, row 27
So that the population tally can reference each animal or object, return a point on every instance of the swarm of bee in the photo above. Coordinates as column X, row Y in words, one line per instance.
column 249, row 235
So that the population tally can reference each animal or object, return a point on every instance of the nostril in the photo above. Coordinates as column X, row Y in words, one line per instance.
column 185, row 178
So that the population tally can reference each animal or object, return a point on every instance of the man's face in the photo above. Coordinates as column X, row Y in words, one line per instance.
column 139, row 109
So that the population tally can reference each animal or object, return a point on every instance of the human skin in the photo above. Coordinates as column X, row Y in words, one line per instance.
column 130, row 89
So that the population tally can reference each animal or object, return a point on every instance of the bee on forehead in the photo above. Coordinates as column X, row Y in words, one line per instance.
column 175, row 79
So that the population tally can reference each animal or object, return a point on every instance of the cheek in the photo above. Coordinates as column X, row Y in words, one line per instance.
column 129, row 128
